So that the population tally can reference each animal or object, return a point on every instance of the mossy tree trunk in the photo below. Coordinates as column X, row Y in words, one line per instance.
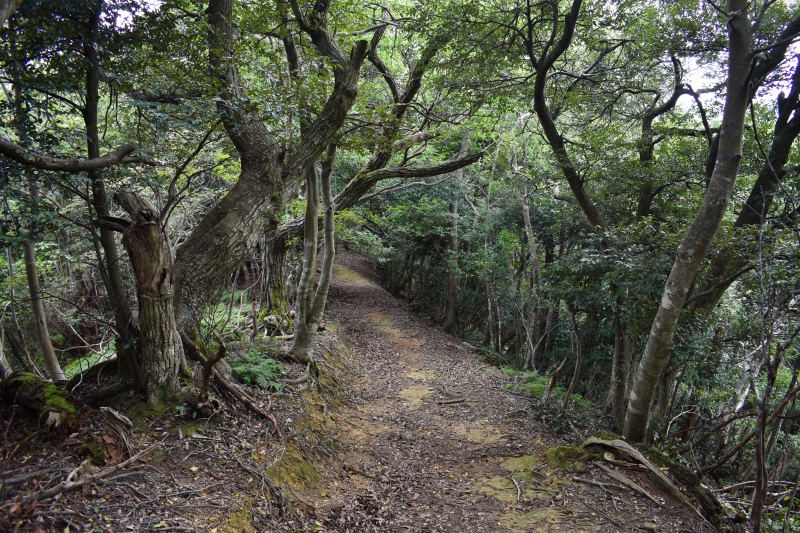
column 43, row 398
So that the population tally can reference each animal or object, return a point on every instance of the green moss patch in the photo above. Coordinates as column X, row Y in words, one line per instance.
column 415, row 395
column 293, row 469
column 525, row 463
column 503, row 488
column 533, row 521
column 188, row 430
column 92, row 451
column 607, row 435
column 240, row 521
column 41, row 397
column 484, row 436
column 568, row 457
column 350, row 276
column 381, row 322
column 422, row 374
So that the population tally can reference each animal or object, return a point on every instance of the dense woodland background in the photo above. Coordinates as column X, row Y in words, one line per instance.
column 525, row 174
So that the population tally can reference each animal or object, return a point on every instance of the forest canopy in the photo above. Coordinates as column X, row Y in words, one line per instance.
column 601, row 196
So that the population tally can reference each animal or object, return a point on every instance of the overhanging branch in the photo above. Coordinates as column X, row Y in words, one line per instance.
column 19, row 154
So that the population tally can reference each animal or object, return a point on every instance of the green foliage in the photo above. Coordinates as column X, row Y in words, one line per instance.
column 82, row 364
column 256, row 368
column 352, row 228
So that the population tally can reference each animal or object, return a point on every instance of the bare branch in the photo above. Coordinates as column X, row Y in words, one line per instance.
column 19, row 154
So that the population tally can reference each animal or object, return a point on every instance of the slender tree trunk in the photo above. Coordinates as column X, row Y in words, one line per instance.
column 5, row 367
column 727, row 266
column 619, row 376
column 311, row 304
column 39, row 316
column 17, row 329
column 450, row 315
column 578, row 358
column 21, row 125
column 109, row 265
column 542, row 65
column 698, row 238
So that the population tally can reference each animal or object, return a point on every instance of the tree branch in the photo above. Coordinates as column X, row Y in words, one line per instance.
column 20, row 155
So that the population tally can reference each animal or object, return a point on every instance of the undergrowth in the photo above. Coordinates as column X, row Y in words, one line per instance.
column 256, row 368
column 582, row 419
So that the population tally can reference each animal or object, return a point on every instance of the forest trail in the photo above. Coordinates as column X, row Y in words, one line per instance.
column 437, row 442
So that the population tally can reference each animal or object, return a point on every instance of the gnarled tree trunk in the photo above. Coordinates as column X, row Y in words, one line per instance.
column 161, row 348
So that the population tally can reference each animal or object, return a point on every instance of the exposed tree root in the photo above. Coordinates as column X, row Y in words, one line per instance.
column 193, row 352
column 297, row 381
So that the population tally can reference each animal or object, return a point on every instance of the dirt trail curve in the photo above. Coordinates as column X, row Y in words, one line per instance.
column 438, row 443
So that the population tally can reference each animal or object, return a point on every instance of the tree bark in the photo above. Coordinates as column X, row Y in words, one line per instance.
column 162, row 352
column 5, row 366
column 698, row 238
column 555, row 140
column 646, row 143
column 578, row 357
column 108, row 265
column 374, row 171
column 310, row 303
column 450, row 314
column 620, row 370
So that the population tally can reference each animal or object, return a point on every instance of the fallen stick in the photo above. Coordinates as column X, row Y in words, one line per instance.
column 452, row 402
column 605, row 516
column 519, row 491
column 66, row 486
column 597, row 483
column 11, row 481
column 628, row 482
column 633, row 453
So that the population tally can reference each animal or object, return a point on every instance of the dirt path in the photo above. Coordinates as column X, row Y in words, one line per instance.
column 439, row 444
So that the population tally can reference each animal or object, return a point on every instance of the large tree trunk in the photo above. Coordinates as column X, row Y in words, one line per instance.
column 161, row 348
column 698, row 238
column 228, row 233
